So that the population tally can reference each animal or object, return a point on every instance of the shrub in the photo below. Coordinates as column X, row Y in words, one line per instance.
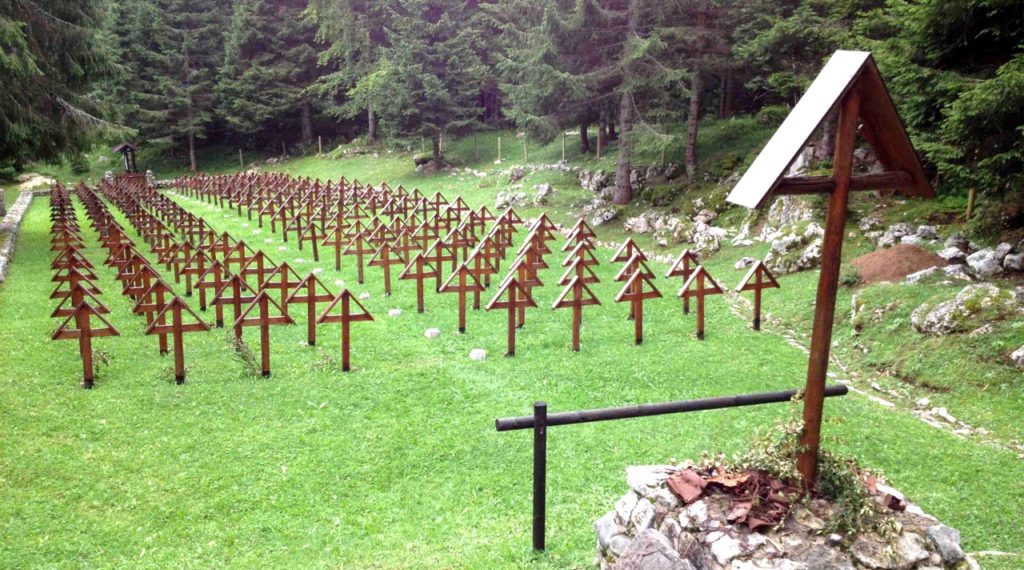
column 772, row 115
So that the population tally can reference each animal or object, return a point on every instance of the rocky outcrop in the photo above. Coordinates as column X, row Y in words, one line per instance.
column 794, row 251
column 973, row 305
column 653, row 528
column 509, row 199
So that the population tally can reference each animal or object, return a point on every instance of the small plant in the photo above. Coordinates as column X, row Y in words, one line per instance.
column 79, row 164
column 325, row 362
column 102, row 358
column 850, row 278
column 245, row 355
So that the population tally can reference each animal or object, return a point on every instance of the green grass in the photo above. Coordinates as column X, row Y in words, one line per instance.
column 397, row 464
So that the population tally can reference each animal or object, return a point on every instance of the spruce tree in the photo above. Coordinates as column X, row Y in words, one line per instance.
column 52, row 54
column 270, row 60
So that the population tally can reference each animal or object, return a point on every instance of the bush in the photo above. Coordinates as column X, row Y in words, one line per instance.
column 660, row 195
column 850, row 278
column 772, row 115
column 79, row 164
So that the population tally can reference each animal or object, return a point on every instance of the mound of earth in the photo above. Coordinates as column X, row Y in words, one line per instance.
column 894, row 263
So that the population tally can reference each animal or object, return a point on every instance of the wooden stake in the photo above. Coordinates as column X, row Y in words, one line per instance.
column 971, row 195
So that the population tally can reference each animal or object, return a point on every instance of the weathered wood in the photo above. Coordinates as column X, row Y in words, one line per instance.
column 419, row 269
column 83, row 330
column 756, row 280
column 177, row 328
column 462, row 281
column 345, row 301
column 262, row 305
column 705, row 286
column 306, row 292
column 517, row 297
column 638, row 288
column 576, row 295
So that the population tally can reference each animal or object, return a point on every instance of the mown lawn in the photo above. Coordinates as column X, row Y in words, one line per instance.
column 397, row 464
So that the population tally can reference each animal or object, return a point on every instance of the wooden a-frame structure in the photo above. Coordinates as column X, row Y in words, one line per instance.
column 850, row 81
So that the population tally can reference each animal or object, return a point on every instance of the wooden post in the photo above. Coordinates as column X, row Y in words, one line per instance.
column 320, row 145
column 699, row 276
column 499, row 148
column 262, row 304
column 828, row 283
column 526, row 151
column 540, row 472
column 971, row 195
column 476, row 148
column 563, row 146
column 345, row 301
column 241, row 163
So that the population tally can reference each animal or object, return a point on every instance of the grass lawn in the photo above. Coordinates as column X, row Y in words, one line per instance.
column 397, row 464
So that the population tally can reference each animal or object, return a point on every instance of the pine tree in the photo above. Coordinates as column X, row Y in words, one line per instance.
column 172, row 50
column 270, row 60
column 432, row 69
column 52, row 54
column 353, row 31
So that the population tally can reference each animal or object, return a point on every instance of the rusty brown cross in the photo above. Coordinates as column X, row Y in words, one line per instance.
column 638, row 288
column 636, row 262
column 762, row 279
column 262, row 305
column 357, row 245
column 345, row 302
column 683, row 267
column 83, row 330
column 462, row 281
column 232, row 293
column 517, row 297
column 384, row 258
column 214, row 278
column 419, row 269
column 150, row 303
column 705, row 286
column 576, row 295
column 310, row 291
column 177, row 329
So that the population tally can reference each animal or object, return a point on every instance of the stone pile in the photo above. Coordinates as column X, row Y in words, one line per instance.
column 9, row 227
column 651, row 528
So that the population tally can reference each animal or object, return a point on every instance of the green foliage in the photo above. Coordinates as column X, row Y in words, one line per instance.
column 52, row 55
column 772, row 115
column 79, row 164
column 850, row 277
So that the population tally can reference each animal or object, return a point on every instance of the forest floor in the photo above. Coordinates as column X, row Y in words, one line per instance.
column 397, row 464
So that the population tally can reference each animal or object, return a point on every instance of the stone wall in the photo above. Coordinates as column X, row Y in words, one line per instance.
column 652, row 528
column 9, row 231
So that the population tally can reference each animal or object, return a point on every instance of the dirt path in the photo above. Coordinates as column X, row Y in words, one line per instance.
column 31, row 181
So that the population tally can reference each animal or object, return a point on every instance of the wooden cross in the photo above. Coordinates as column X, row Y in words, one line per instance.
column 483, row 263
column 851, row 83
column 176, row 329
column 306, row 292
column 232, row 293
column 527, row 277
column 284, row 279
column 638, row 288
column 438, row 253
column 581, row 296
column 260, row 265
column 151, row 303
column 84, row 332
column 195, row 266
column 580, row 269
column 262, row 304
column 78, row 294
column 681, row 268
column 384, row 258
column 698, row 277
column 214, row 278
column 358, row 246
column 626, row 251
column 72, row 277
column 518, row 297
column 462, row 281
column 345, row 301
column 419, row 269
column 579, row 233
column 763, row 279
column 635, row 263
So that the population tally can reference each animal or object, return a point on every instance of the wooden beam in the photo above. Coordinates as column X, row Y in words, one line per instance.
column 895, row 180
column 828, row 284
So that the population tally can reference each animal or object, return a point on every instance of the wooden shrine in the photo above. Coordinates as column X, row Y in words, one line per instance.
column 850, row 81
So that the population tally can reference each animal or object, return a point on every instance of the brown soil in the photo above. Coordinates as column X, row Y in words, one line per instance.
column 894, row 263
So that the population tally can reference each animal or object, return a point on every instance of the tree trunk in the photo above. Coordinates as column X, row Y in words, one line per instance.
column 728, row 102
column 827, row 144
column 602, row 131
column 584, row 138
column 192, row 151
column 371, row 125
column 623, row 166
column 436, row 141
column 612, row 135
column 693, row 120
column 307, row 121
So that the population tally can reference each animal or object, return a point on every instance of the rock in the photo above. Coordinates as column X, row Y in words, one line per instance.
column 646, row 479
column 725, row 547
column 944, row 415
column 638, row 225
column 650, row 550
column 705, row 216
column 364, row 295
column 927, row 232
column 956, row 315
column 947, row 541
column 957, row 272
column 920, row 275
column 694, row 516
column 821, row 557
column 506, row 200
column 603, row 216
column 958, row 241
column 953, row 255
column 432, row 333
column 543, row 193
column 515, row 174
column 869, row 223
column 985, row 263
column 1002, row 250
column 395, row 313
column 869, row 550
column 619, row 544
column 643, row 515
column 1014, row 262
column 624, row 507
column 912, row 240
column 672, row 170
column 789, row 210
column 652, row 172
column 478, row 354
column 606, row 528
column 744, row 263
column 1017, row 357
column 922, row 403
column 594, row 182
